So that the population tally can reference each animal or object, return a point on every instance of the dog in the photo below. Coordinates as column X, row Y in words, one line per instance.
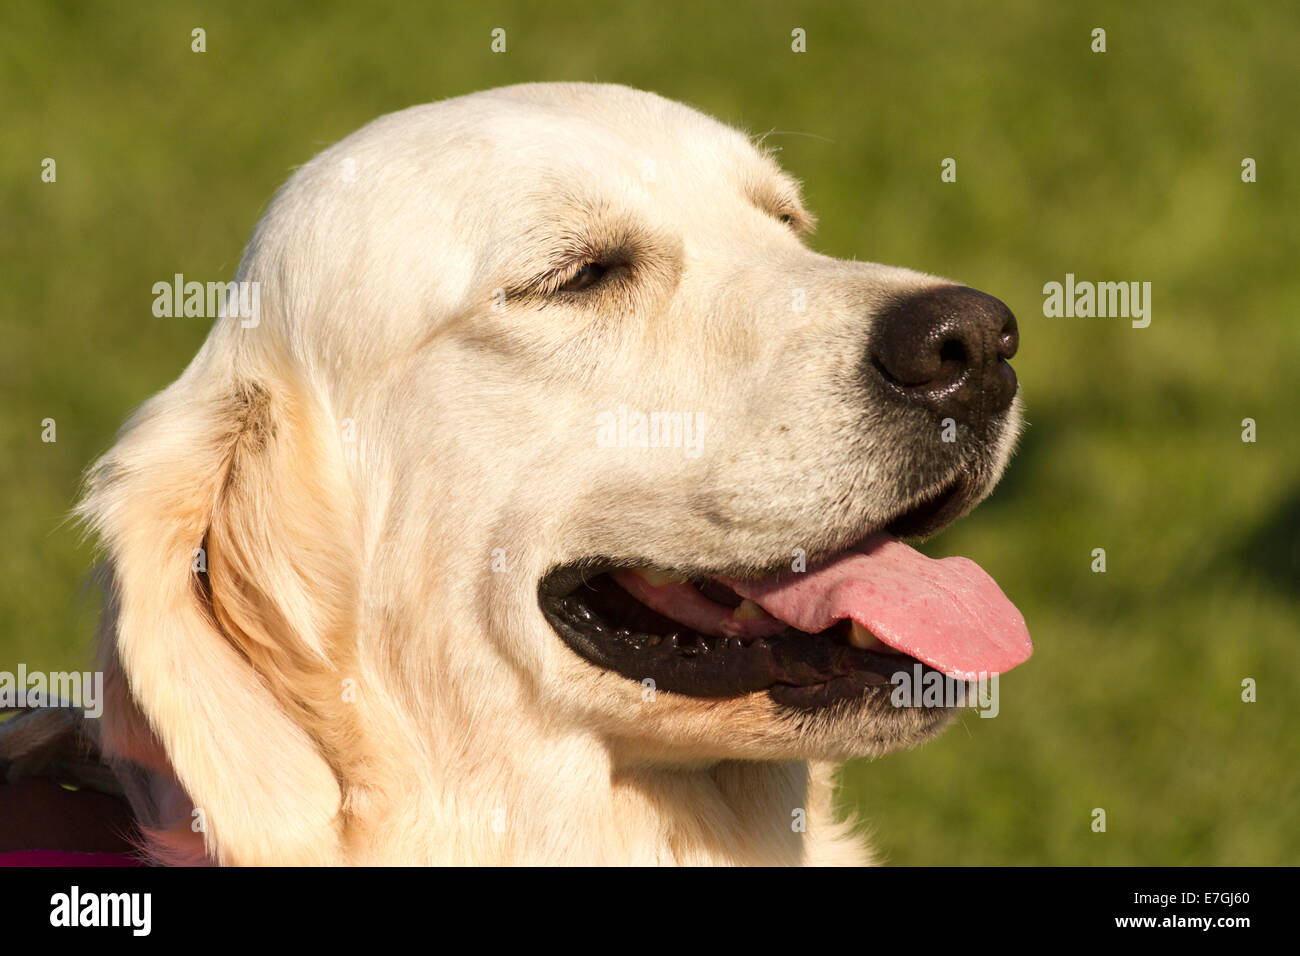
column 550, row 511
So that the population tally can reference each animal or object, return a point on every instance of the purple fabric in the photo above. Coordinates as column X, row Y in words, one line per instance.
column 65, row 858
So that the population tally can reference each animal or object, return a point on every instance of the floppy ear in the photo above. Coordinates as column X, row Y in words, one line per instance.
column 237, row 669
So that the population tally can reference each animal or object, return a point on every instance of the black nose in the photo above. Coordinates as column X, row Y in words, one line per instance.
column 947, row 348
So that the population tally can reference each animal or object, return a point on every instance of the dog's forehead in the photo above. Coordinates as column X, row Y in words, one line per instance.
column 512, row 155
column 628, row 143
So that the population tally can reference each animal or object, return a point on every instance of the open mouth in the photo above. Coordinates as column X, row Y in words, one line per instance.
column 836, row 631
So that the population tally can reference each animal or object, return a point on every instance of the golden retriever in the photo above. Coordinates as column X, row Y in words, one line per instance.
column 547, row 512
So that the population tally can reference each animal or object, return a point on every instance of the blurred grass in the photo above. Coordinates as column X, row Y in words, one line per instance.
column 1121, row 166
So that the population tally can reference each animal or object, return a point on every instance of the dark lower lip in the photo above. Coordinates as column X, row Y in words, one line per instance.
column 798, row 670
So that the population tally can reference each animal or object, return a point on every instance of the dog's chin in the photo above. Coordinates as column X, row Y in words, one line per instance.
column 753, row 727
column 868, row 726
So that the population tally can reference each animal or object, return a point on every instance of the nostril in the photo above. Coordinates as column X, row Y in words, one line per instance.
column 954, row 359
column 952, row 351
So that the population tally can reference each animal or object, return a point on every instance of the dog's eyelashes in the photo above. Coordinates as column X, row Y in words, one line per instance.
column 585, row 277
column 577, row 277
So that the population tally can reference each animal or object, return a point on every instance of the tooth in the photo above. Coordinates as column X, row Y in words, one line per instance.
column 860, row 637
column 656, row 578
column 747, row 610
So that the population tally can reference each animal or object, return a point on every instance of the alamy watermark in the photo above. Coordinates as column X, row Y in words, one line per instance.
column 131, row 911
column 212, row 300
column 1125, row 300
column 922, row 687
column 53, row 689
column 633, row 429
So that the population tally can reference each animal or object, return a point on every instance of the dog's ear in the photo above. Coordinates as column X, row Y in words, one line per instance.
column 225, row 517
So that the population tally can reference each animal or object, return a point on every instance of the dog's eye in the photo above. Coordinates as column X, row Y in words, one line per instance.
column 587, row 276
column 786, row 219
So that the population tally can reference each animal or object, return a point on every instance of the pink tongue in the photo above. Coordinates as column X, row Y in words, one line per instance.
column 947, row 613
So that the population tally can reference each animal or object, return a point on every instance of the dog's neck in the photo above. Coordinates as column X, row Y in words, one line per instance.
column 506, row 788
column 547, row 796
column 558, row 799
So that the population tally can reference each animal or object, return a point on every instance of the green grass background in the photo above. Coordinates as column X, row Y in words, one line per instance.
column 1124, row 165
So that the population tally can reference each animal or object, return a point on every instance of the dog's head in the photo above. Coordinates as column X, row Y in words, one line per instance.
column 550, row 423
